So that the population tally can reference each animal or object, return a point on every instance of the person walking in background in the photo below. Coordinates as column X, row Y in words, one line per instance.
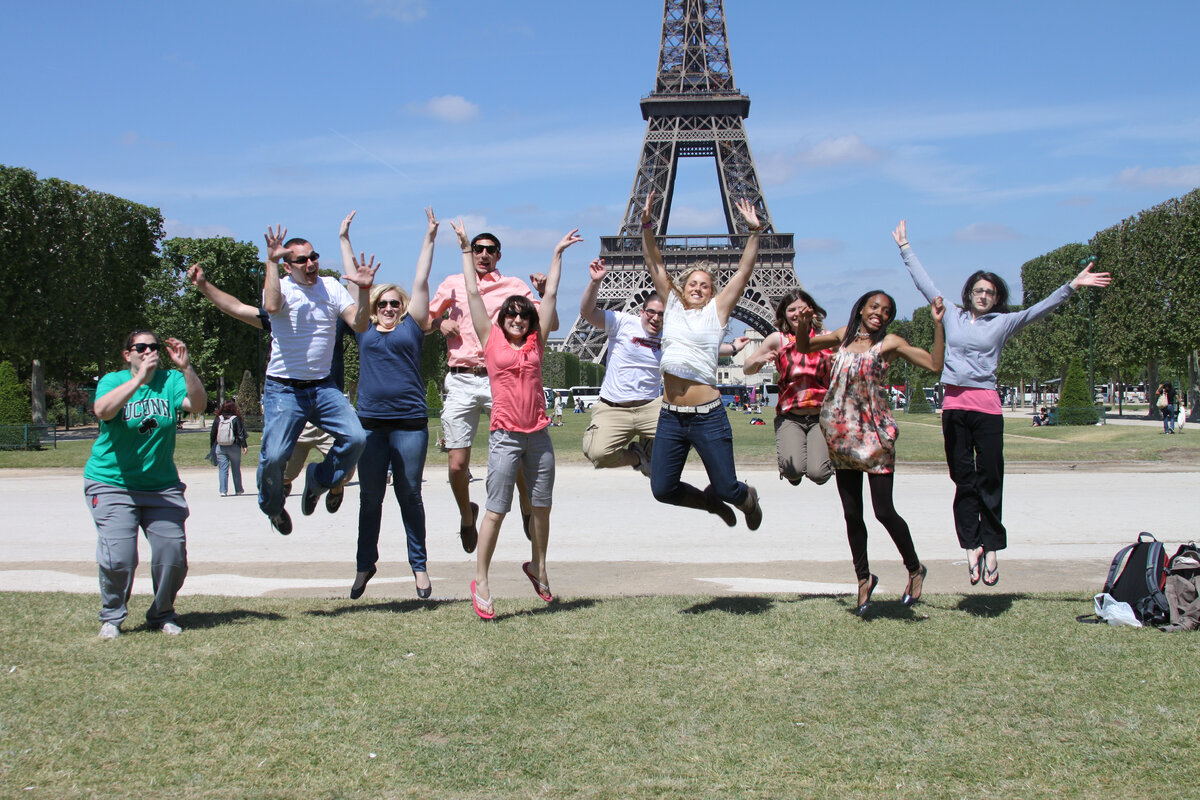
column 1165, row 401
column 227, row 438
column 692, row 414
column 518, row 443
column 803, row 383
column 972, row 421
column 857, row 421
column 130, row 480
column 393, row 412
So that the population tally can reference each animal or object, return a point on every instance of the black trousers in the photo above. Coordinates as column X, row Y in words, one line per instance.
column 850, row 489
column 975, row 456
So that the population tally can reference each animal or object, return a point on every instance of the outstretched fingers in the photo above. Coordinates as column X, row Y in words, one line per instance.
column 646, row 209
column 597, row 269
column 901, row 233
column 748, row 212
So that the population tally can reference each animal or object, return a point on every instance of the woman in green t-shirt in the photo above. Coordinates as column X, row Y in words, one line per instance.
column 130, row 481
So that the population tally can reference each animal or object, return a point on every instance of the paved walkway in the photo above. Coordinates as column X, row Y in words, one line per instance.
column 609, row 536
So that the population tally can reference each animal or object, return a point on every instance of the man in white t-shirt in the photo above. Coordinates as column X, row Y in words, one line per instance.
column 624, row 420
column 304, row 309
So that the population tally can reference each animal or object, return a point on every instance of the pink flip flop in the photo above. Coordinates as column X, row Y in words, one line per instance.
column 543, row 591
column 482, row 607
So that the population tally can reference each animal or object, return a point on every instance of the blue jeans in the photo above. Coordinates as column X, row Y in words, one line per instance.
column 229, row 459
column 285, row 410
column 405, row 452
column 1169, row 418
column 712, row 437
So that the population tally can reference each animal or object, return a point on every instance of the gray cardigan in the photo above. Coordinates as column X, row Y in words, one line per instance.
column 973, row 343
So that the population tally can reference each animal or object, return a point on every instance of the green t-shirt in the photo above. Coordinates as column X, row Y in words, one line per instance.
column 136, row 448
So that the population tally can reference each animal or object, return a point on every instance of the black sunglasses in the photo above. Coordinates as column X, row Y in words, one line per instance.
column 389, row 304
column 491, row 249
column 313, row 256
column 142, row 347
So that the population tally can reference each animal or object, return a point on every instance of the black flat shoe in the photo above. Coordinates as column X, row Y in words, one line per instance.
column 424, row 593
column 916, row 581
column 865, row 604
column 356, row 591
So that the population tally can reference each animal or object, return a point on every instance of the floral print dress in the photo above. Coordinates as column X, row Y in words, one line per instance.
column 856, row 417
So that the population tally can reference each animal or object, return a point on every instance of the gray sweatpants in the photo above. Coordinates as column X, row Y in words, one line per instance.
column 118, row 514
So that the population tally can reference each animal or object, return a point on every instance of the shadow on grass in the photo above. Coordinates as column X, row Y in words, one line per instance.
column 741, row 605
column 215, row 619
column 557, row 607
column 888, row 609
column 988, row 605
column 390, row 606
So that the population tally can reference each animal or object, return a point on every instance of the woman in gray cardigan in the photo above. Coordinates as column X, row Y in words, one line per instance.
column 972, row 421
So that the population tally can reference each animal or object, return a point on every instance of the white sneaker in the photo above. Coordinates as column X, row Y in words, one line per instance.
column 171, row 629
column 109, row 631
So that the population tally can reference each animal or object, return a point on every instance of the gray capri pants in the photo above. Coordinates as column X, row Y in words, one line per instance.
column 532, row 454
column 802, row 448
column 118, row 514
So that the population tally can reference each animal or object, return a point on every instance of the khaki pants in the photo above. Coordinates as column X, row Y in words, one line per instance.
column 614, row 427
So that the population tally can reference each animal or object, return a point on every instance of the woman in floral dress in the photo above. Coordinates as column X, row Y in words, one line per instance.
column 857, row 422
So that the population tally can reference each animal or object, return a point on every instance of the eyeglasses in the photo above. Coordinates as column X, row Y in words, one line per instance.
column 313, row 256
column 648, row 312
column 142, row 347
column 491, row 249
column 984, row 292
column 389, row 304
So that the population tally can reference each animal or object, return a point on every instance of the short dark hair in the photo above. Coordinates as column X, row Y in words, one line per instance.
column 1001, row 306
column 295, row 241
column 491, row 236
column 795, row 294
column 856, row 320
column 650, row 298
column 517, row 305
column 139, row 332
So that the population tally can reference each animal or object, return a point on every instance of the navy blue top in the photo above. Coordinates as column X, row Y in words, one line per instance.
column 389, row 373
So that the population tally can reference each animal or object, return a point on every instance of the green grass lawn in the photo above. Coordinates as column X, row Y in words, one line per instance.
column 920, row 441
column 772, row 696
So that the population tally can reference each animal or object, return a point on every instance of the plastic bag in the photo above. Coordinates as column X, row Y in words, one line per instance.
column 1115, row 612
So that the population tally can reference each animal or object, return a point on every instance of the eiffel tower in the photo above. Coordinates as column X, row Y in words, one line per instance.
column 694, row 112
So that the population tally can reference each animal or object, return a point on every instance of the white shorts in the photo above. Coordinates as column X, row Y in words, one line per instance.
column 467, row 396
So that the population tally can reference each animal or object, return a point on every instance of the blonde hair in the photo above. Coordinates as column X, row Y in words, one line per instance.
column 704, row 266
column 378, row 291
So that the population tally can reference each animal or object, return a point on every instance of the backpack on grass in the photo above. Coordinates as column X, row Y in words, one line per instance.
column 1138, row 576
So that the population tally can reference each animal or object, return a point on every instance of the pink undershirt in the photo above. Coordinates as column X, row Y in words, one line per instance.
column 966, row 398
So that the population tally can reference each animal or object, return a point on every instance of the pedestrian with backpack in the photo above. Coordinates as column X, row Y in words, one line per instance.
column 228, row 441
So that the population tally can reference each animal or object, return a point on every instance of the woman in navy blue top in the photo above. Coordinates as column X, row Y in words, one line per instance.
column 391, row 407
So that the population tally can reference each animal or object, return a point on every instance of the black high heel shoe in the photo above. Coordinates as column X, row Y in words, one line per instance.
column 424, row 593
column 916, row 581
column 870, row 583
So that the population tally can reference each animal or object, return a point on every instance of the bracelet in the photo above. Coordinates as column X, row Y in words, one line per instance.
column 756, row 230
column 468, row 250
column 647, row 226
column 903, row 245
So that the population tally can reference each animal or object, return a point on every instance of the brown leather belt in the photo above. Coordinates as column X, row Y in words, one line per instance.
column 478, row 372
column 627, row 403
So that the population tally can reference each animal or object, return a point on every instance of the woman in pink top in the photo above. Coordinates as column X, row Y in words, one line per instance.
column 512, row 350
column 803, row 382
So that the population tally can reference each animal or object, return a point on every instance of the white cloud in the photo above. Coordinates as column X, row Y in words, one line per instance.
column 691, row 217
column 401, row 10
column 986, row 232
column 1077, row 201
column 447, row 108
column 818, row 246
column 1186, row 176
column 836, row 150
column 173, row 228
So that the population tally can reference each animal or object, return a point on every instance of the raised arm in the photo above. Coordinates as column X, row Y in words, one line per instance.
column 727, row 300
column 766, row 352
column 651, row 254
column 272, row 294
column 587, row 304
column 807, row 343
column 479, row 316
column 348, row 260
column 197, row 398
column 358, row 315
column 934, row 360
column 418, row 305
column 547, row 315
column 918, row 274
column 225, row 302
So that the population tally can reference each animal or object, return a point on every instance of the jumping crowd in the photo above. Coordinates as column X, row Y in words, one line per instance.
column 659, row 400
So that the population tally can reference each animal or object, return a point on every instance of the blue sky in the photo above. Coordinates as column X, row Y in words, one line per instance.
column 1000, row 131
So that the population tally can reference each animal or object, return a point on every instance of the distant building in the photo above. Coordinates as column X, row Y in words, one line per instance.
column 729, row 370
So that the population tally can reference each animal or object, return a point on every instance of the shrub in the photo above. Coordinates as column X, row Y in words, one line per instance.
column 247, row 395
column 1075, row 406
column 433, row 398
column 15, row 406
column 918, row 403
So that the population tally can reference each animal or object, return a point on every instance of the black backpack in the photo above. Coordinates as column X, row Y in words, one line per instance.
column 1137, row 577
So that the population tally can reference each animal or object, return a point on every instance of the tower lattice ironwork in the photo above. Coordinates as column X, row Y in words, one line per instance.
column 695, row 111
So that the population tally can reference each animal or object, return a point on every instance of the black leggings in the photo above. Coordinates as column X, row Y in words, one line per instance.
column 849, row 484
